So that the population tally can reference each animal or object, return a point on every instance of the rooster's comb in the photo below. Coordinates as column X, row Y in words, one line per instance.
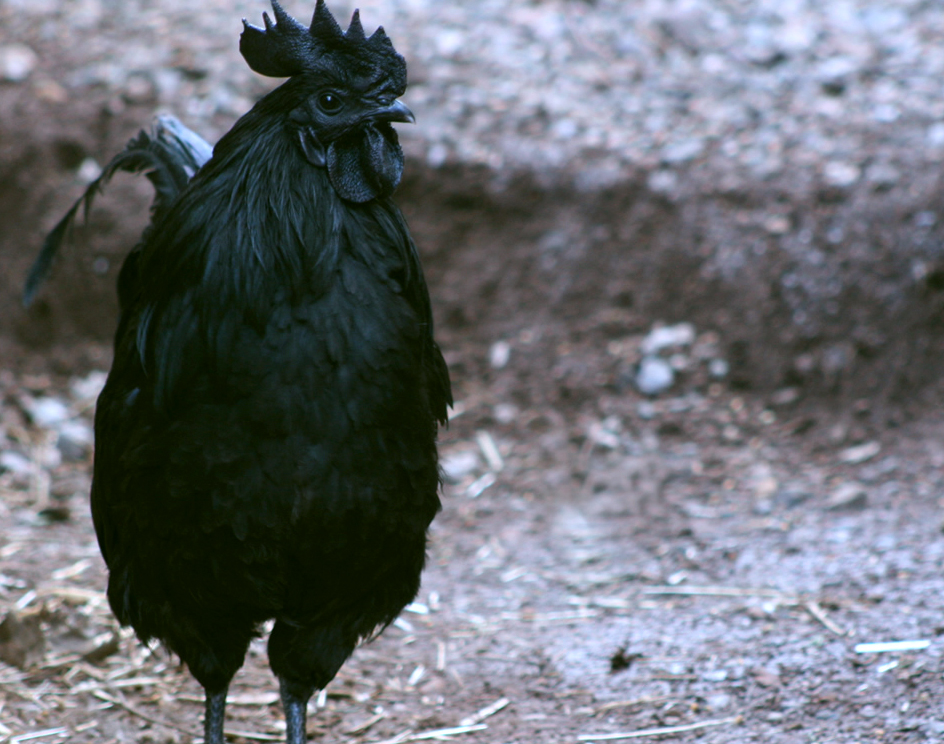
column 286, row 47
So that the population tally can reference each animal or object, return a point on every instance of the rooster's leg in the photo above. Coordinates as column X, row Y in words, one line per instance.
column 305, row 658
column 294, row 703
column 215, row 714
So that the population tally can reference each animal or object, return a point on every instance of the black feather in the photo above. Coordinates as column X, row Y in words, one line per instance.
column 169, row 156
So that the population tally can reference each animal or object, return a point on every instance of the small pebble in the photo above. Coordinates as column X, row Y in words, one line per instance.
column 654, row 376
column 841, row 175
column 75, row 441
column 718, row 368
column 89, row 387
column 46, row 412
column 847, row 497
column 88, row 171
column 457, row 465
column 499, row 354
column 17, row 61
column 15, row 463
column 860, row 453
column 667, row 337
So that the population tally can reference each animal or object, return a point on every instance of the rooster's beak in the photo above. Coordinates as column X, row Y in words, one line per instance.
column 396, row 111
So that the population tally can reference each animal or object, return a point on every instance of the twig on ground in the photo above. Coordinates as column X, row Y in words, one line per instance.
column 94, row 686
column 445, row 733
column 661, row 731
column 75, row 594
column 254, row 735
column 669, row 677
column 39, row 734
column 722, row 591
column 891, row 646
column 440, row 656
column 489, row 450
column 363, row 727
column 248, row 699
column 441, row 734
column 402, row 736
column 630, row 703
column 121, row 703
column 820, row 614
column 488, row 710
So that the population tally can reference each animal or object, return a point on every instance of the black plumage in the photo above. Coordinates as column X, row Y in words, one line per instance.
column 266, row 439
column 169, row 156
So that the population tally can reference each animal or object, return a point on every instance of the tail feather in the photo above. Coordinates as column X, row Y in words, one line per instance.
column 169, row 156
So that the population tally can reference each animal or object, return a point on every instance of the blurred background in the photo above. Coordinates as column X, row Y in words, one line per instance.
column 580, row 169
column 687, row 264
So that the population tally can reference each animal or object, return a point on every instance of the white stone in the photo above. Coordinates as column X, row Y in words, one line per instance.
column 654, row 376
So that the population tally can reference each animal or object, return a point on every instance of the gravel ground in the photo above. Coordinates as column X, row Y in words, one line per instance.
column 687, row 564
column 784, row 155
column 594, row 91
column 761, row 176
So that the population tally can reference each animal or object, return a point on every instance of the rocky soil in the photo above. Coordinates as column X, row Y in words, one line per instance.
column 700, row 565
column 687, row 264
column 766, row 168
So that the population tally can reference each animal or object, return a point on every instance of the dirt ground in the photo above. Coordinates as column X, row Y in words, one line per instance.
column 700, row 566
column 695, row 565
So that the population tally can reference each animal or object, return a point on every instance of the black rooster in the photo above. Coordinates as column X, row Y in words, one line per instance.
column 266, row 440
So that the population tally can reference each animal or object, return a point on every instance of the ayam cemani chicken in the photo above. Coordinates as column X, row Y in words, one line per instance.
column 266, row 439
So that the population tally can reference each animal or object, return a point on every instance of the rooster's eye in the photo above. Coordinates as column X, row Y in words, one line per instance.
column 330, row 103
